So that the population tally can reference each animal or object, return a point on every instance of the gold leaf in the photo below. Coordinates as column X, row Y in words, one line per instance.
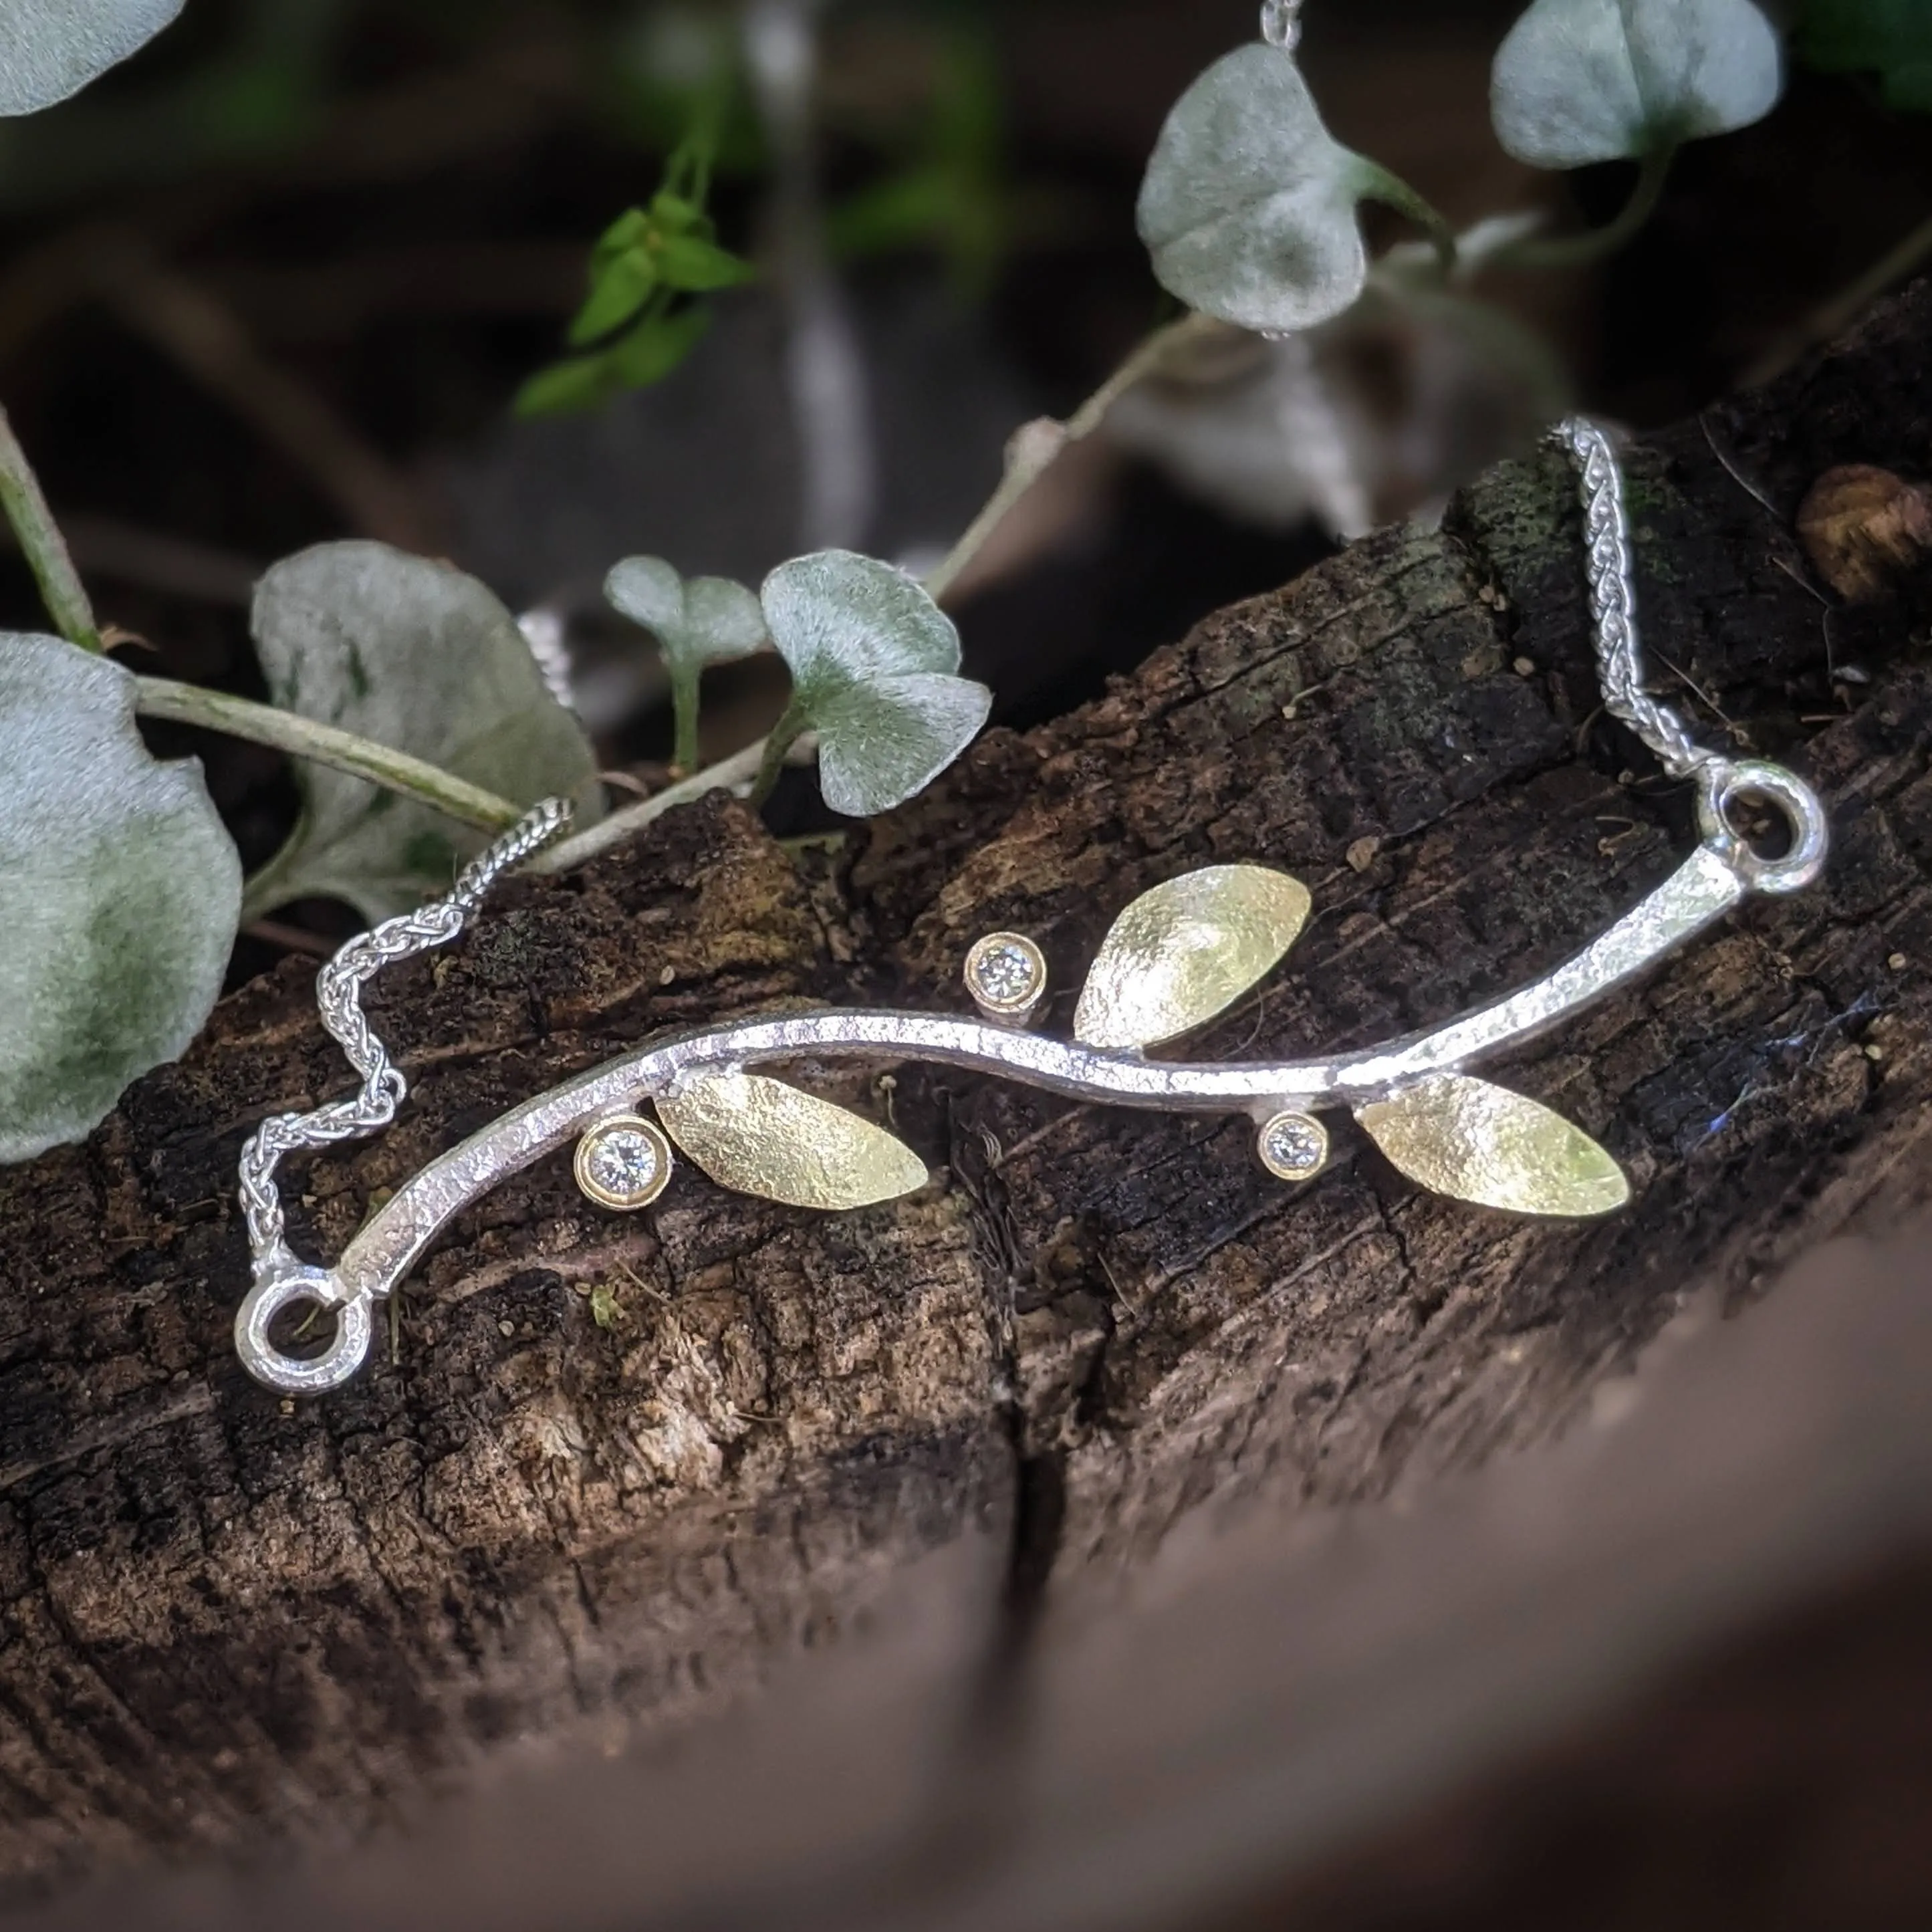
column 1186, row 950
column 1463, row 1137
column 762, row 1137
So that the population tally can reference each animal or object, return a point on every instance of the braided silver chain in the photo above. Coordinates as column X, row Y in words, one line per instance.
column 1613, row 603
column 338, row 993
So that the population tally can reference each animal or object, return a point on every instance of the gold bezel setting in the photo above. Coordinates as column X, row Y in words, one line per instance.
column 1005, row 974
column 623, row 1142
column 1292, row 1145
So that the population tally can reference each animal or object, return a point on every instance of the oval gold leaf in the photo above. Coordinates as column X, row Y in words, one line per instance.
column 1463, row 1137
column 1186, row 951
column 762, row 1137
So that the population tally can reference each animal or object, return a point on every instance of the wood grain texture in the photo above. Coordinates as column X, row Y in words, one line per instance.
column 228, row 1619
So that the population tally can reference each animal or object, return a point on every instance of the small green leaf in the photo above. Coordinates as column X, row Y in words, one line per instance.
column 677, row 216
column 620, row 288
column 50, row 49
column 872, row 659
column 630, row 229
column 649, row 591
column 119, row 895
column 709, row 620
column 696, row 266
column 566, row 388
column 657, row 346
column 1249, row 206
column 1579, row 81
column 419, row 656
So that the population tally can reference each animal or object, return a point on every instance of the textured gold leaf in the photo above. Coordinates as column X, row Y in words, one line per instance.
column 1186, row 951
column 762, row 1137
column 1466, row 1138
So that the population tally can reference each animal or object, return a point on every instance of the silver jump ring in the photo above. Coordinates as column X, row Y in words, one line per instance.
column 296, row 1375
column 1722, row 782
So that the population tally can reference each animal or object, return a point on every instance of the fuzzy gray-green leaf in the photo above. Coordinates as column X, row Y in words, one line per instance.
column 882, row 742
column 872, row 659
column 1579, row 81
column 50, row 49
column 708, row 620
column 836, row 617
column 419, row 657
column 119, row 893
column 1248, row 205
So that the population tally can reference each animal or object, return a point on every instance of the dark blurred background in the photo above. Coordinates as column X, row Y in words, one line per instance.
column 279, row 277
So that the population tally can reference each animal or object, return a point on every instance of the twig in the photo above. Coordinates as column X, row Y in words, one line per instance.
column 179, row 566
column 1736, row 475
column 210, row 343
column 325, row 744
column 42, row 544
column 731, row 774
column 1833, row 317
column 736, row 774
column 273, row 932
column 1034, row 445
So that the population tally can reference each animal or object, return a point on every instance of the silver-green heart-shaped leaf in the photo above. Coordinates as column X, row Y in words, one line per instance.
column 1249, row 204
column 1463, row 1137
column 1186, row 951
column 707, row 620
column 50, row 49
column 1579, row 81
column 873, row 660
column 422, row 658
column 119, row 895
column 762, row 1137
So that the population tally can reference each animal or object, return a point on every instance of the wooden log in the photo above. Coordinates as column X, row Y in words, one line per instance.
column 230, row 1620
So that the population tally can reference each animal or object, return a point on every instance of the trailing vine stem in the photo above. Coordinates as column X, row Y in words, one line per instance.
column 42, row 544
column 163, row 697
column 1034, row 445
column 1578, row 251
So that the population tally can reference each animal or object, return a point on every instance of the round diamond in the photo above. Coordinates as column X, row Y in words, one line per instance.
column 624, row 1162
column 1294, row 1147
column 1005, row 973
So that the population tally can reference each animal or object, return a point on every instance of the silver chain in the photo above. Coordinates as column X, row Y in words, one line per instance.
column 338, row 995
column 1613, row 603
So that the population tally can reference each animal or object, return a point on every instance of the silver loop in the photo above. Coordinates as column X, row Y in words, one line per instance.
column 1721, row 783
column 294, row 1375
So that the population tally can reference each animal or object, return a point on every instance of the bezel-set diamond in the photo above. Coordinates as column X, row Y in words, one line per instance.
column 1293, row 1145
column 623, row 1162
column 1005, row 974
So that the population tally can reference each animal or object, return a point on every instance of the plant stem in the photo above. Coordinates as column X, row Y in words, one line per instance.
column 325, row 744
column 784, row 734
column 1392, row 191
column 684, row 715
column 42, row 544
column 1034, row 447
column 1577, row 251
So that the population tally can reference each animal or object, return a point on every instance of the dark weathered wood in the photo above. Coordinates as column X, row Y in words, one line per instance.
column 227, row 1617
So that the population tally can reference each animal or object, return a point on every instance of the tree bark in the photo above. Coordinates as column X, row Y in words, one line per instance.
column 230, row 1619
